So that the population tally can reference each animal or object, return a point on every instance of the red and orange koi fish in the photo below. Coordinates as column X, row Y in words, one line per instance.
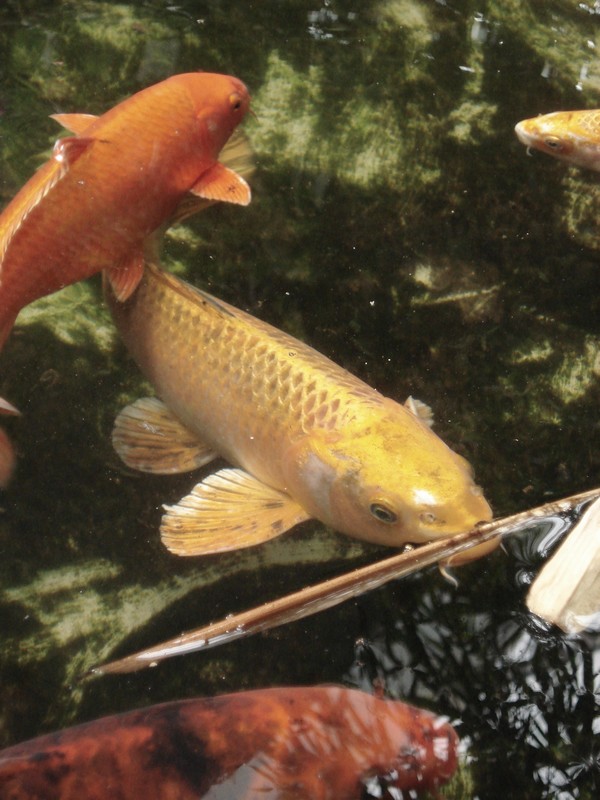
column 322, row 743
column 95, row 204
column 116, row 181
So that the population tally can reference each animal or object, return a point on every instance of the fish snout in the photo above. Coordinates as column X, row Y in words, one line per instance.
column 551, row 134
column 473, row 553
column 435, row 758
column 449, row 519
column 450, row 516
column 476, row 506
column 479, row 511
column 522, row 133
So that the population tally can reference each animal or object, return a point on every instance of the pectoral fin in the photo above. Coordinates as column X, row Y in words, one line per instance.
column 238, row 156
column 421, row 410
column 76, row 123
column 227, row 511
column 222, row 183
column 148, row 437
column 125, row 277
column 67, row 150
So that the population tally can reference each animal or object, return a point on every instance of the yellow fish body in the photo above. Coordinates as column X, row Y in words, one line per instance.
column 307, row 438
column 571, row 136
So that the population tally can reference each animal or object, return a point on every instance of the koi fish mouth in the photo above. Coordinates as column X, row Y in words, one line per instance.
column 541, row 137
column 524, row 136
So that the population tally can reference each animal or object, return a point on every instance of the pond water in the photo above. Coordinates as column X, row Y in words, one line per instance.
column 397, row 226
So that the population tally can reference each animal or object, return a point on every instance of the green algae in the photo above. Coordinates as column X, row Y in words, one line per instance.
column 578, row 372
column 74, row 316
column 82, row 612
column 379, row 146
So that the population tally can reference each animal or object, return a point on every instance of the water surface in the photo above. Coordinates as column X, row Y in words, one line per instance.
column 398, row 226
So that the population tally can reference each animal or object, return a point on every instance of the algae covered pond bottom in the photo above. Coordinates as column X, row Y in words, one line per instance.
column 399, row 228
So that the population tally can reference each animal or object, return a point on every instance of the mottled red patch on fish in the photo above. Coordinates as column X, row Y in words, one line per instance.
column 322, row 743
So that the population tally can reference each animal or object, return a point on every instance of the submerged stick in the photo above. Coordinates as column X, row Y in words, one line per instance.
column 332, row 592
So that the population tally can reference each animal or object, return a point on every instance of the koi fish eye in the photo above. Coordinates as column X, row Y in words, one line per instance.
column 382, row 513
column 235, row 101
column 553, row 142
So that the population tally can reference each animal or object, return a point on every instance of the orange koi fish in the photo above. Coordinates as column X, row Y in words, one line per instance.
column 323, row 743
column 307, row 438
column 108, row 187
column 571, row 136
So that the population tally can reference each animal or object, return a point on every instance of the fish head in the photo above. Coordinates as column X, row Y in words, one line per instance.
column 571, row 136
column 382, row 745
column 391, row 481
column 434, row 757
column 220, row 103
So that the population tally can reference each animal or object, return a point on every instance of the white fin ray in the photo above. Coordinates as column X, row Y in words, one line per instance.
column 421, row 410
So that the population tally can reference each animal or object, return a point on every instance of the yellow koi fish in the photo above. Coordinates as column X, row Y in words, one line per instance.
column 571, row 136
column 307, row 438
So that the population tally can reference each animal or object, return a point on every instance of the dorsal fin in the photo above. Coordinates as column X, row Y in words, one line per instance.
column 66, row 151
column 76, row 123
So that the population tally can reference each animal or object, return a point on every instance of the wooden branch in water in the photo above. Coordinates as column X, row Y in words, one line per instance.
column 332, row 592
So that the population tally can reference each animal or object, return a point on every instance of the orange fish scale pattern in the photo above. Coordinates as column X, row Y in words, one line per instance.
column 279, row 380
column 590, row 122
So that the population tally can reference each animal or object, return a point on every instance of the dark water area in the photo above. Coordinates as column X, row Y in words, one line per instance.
column 397, row 226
